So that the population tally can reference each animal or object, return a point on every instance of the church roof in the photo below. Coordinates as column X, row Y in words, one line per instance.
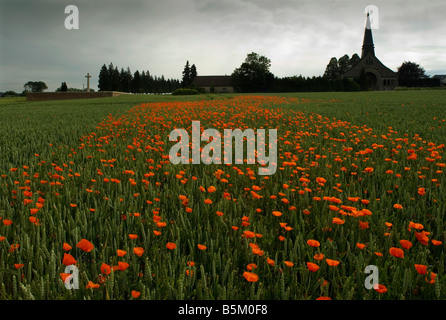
column 367, row 44
column 368, row 59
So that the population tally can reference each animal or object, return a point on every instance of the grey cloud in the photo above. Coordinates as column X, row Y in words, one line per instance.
column 160, row 35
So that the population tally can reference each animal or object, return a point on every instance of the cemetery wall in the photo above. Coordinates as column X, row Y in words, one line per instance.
column 41, row 96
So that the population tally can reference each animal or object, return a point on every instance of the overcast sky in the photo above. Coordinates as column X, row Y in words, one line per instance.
column 299, row 36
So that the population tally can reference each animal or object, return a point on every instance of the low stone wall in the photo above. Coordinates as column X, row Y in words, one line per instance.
column 42, row 96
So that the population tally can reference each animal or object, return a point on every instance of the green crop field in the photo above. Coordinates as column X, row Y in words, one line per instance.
column 360, row 182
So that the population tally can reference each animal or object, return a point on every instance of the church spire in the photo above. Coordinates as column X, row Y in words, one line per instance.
column 367, row 45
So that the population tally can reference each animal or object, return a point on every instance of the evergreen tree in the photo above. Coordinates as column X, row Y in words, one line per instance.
column 116, row 85
column 148, row 82
column 136, row 82
column 104, row 81
column 125, row 78
column 193, row 73
column 186, row 75
column 111, row 72
column 63, row 87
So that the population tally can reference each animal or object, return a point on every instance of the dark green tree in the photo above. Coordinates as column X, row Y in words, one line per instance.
column 35, row 86
column 332, row 71
column 409, row 73
column 125, row 79
column 354, row 59
column 63, row 87
column 136, row 82
column 104, row 79
column 344, row 64
column 253, row 75
column 193, row 74
column 186, row 75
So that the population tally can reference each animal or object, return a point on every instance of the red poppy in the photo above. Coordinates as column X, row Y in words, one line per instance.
column 277, row 213
column 105, row 268
column 121, row 253
column 122, row 265
column 250, row 276
column 422, row 237
column 251, row 266
column 332, row 263
column 406, row 244
column 92, row 285
column 338, row 221
column 68, row 259
column 360, row 245
column 363, row 225
column 313, row 243
column 249, row 234
column 381, row 288
column 312, row 266
column 171, row 245
column 432, row 278
column 289, row 263
column 138, row 251
column 319, row 256
column 421, row 268
column 396, row 252
column 85, row 245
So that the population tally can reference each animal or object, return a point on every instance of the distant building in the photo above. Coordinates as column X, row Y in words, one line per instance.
column 442, row 78
column 379, row 77
column 214, row 84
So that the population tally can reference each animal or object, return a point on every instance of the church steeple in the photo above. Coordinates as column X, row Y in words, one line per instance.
column 367, row 45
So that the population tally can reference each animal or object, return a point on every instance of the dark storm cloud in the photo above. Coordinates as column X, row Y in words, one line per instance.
column 299, row 36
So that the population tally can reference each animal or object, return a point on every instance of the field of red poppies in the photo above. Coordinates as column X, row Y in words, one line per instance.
column 89, row 186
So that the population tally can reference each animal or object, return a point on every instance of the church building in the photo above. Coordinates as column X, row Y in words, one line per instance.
column 379, row 77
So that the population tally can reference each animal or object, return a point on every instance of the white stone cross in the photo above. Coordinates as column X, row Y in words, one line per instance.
column 88, row 81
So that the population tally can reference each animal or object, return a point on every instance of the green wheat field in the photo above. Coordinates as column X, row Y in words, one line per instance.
column 360, row 182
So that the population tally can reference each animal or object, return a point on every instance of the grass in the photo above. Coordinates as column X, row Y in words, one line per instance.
column 98, row 170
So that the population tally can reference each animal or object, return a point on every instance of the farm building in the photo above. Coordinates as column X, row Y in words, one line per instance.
column 215, row 84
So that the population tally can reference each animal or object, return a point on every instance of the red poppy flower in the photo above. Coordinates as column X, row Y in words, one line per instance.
column 250, row 276
column 171, row 245
column 105, row 268
column 312, row 266
column 313, row 243
column 396, row 252
column 68, row 259
column 85, row 245
column 332, row 263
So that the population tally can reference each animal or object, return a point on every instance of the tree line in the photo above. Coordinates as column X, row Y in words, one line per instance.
column 112, row 78
column 254, row 76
